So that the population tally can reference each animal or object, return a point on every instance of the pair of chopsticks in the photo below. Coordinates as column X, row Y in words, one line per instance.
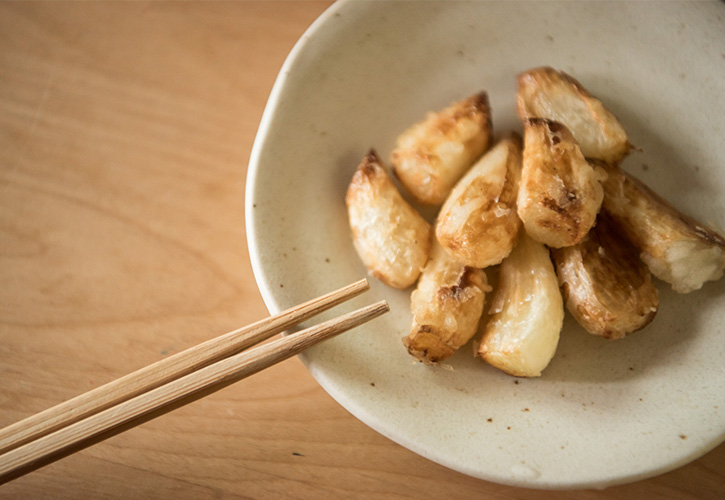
column 171, row 383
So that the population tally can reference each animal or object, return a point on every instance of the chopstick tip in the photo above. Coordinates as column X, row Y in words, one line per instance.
column 379, row 308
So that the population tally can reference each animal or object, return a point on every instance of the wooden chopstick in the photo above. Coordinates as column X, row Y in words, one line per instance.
column 187, row 376
column 169, row 369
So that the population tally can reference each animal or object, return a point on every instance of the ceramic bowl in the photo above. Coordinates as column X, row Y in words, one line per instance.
column 602, row 413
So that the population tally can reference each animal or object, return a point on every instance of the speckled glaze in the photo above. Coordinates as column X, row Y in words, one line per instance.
column 603, row 413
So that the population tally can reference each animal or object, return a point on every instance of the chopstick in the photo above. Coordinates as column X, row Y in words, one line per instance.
column 169, row 369
column 171, row 383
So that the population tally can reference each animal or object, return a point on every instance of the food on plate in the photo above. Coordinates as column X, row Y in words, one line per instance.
column 390, row 236
column 556, row 215
column 446, row 305
column 433, row 154
column 560, row 192
column 676, row 248
column 547, row 93
column 478, row 224
column 526, row 314
column 606, row 287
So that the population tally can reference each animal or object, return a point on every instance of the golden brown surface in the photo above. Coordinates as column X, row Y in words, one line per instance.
column 478, row 224
column 560, row 193
column 554, row 95
column 446, row 307
column 125, row 130
column 390, row 236
column 432, row 154
column 677, row 248
column 605, row 285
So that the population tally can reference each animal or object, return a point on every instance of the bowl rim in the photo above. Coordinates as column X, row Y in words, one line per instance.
column 268, row 113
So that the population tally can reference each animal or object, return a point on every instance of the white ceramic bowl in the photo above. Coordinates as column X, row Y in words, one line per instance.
column 603, row 412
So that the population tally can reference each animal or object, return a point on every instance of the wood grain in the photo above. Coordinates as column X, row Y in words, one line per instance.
column 125, row 131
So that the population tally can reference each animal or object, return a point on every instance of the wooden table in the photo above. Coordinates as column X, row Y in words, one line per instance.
column 125, row 131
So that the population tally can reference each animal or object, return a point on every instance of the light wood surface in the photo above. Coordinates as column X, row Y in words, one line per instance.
column 125, row 131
